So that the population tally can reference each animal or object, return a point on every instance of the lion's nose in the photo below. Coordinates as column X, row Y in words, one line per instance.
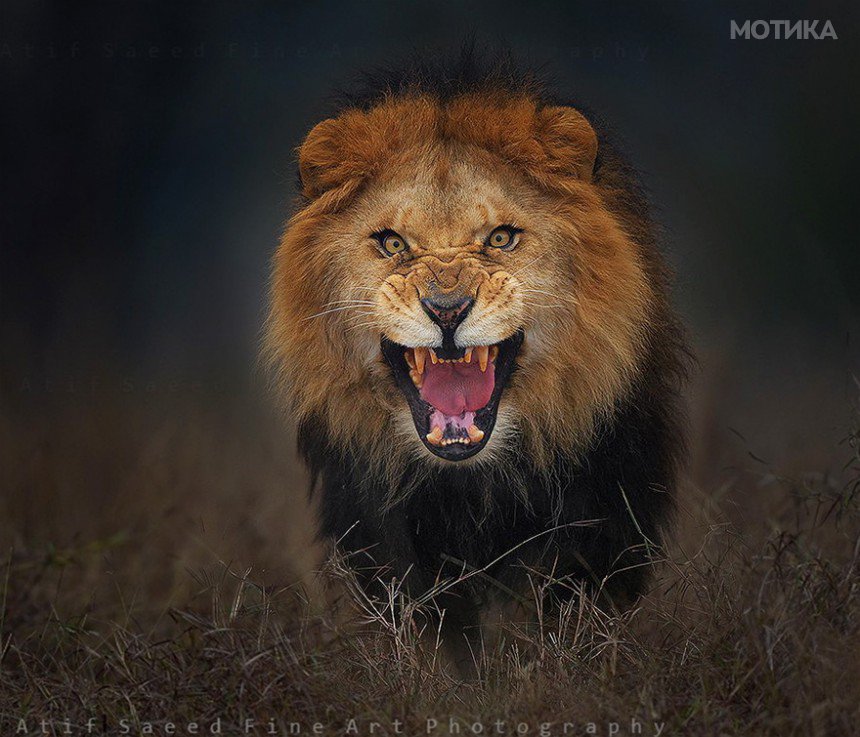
column 447, row 314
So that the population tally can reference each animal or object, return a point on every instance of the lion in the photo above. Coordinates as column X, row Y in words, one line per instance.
column 470, row 320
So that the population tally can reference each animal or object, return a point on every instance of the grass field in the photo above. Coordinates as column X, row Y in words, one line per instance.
column 151, row 550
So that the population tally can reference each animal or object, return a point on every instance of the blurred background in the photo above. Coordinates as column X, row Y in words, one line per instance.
column 148, row 168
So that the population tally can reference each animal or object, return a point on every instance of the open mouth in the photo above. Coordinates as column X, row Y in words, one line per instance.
column 453, row 394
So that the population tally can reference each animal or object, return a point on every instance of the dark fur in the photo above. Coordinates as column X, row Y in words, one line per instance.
column 468, row 515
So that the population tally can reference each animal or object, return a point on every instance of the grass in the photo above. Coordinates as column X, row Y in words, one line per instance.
column 151, row 562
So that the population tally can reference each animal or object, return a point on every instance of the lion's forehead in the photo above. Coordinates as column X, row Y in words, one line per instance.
column 439, row 206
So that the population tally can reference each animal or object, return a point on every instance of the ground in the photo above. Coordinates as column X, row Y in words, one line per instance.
column 151, row 549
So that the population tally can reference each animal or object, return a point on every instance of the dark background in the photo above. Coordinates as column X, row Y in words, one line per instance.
column 148, row 167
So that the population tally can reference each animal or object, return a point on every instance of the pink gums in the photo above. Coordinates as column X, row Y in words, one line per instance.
column 457, row 388
column 456, row 426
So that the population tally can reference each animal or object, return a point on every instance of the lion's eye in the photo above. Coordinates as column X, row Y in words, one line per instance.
column 505, row 236
column 390, row 242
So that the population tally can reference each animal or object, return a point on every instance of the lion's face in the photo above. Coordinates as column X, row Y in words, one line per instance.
column 447, row 296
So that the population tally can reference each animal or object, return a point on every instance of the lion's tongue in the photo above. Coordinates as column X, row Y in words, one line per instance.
column 455, row 388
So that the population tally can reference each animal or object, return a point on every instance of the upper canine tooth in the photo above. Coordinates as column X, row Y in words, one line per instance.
column 433, row 356
column 483, row 356
column 468, row 357
column 409, row 358
column 494, row 352
column 420, row 359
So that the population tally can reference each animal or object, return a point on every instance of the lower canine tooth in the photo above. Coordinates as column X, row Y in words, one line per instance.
column 435, row 436
column 476, row 435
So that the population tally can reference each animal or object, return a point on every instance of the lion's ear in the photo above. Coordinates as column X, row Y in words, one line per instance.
column 570, row 140
column 320, row 158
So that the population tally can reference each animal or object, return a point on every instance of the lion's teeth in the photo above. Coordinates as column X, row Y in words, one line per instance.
column 416, row 378
column 416, row 358
column 476, row 435
column 483, row 356
column 420, row 359
column 435, row 436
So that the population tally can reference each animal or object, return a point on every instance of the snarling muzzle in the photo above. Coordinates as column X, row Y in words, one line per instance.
column 453, row 338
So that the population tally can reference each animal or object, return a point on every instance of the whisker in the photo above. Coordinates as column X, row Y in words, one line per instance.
column 334, row 309
column 359, row 302
column 361, row 313
column 536, row 304
column 573, row 300
column 370, row 324
column 534, row 260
